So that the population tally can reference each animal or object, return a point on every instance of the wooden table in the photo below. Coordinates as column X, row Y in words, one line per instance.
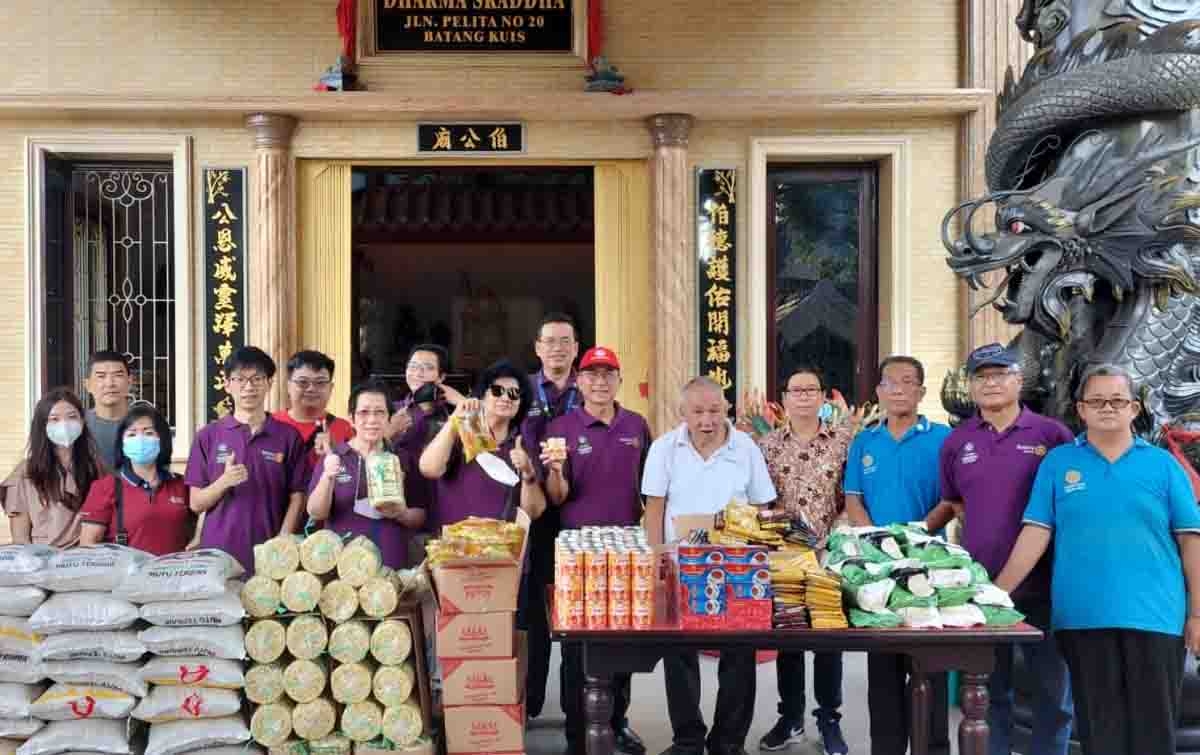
column 969, row 651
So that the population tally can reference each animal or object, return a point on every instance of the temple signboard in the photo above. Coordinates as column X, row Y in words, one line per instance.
column 473, row 26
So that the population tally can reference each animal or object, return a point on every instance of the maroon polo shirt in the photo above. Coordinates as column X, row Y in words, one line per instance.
column 466, row 490
column 157, row 520
column 419, row 492
column 549, row 403
column 604, row 467
column 252, row 512
column 349, row 485
column 991, row 474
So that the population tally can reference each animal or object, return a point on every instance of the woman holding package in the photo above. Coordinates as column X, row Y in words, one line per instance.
column 44, row 494
column 339, row 494
column 143, row 504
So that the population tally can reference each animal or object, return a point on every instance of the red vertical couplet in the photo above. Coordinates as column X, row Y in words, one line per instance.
column 595, row 31
column 346, row 20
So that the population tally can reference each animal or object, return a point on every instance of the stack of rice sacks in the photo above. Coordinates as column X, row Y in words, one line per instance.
column 20, row 674
column 329, row 668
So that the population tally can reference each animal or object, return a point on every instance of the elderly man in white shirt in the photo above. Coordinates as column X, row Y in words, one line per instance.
column 698, row 468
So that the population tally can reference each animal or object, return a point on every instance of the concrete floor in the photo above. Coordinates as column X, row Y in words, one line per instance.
column 648, row 713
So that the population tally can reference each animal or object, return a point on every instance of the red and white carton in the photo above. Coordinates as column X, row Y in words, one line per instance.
column 485, row 729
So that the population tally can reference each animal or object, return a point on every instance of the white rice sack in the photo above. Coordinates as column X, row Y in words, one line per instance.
column 351, row 683
column 278, row 557
column 307, row 637
column 20, row 728
column 16, row 699
column 314, row 720
column 380, row 595
column 350, row 642
column 304, row 681
column 990, row 595
column 393, row 685
column 271, row 724
column 403, row 724
column 68, row 702
column 21, row 564
column 264, row 684
column 185, row 703
column 359, row 561
column 203, row 642
column 17, row 636
column 319, row 552
column 300, row 592
column 99, row 568
column 116, row 647
column 920, row 618
column 962, row 616
column 176, row 737
column 191, row 575
column 83, row 612
column 391, row 642
column 97, row 735
column 266, row 641
column 123, row 676
column 339, row 601
column 21, row 601
column 222, row 611
column 20, row 668
column 362, row 721
column 260, row 596
column 192, row 671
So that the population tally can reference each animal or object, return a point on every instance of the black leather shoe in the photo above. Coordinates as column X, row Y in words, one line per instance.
column 682, row 750
column 627, row 741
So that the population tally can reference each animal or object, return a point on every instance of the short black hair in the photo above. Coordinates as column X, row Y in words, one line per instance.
column 143, row 411
column 314, row 360
column 440, row 352
column 505, row 368
column 551, row 318
column 370, row 385
column 106, row 356
column 806, row 369
column 250, row 357
column 910, row 361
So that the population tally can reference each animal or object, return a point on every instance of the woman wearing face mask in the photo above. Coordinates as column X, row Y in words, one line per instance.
column 45, row 492
column 149, row 511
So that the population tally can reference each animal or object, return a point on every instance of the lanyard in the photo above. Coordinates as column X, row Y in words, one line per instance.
column 547, row 408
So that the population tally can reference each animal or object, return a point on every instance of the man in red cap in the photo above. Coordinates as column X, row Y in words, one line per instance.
column 595, row 480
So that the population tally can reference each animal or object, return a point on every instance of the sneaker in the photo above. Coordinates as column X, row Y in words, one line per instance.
column 784, row 733
column 627, row 741
column 831, row 737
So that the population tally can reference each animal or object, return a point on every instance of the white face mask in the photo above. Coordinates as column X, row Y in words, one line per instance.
column 64, row 433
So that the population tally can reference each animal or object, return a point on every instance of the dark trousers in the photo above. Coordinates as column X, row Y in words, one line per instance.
column 541, row 575
column 571, row 697
column 735, row 701
column 1127, row 686
column 827, row 684
column 888, row 706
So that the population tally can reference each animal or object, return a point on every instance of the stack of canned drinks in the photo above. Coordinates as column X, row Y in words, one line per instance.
column 604, row 579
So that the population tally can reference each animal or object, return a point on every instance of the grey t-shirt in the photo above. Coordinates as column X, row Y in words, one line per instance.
column 105, row 432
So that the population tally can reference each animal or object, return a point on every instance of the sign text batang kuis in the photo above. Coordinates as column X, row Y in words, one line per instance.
column 473, row 26
column 470, row 138
column 716, row 245
column 224, row 279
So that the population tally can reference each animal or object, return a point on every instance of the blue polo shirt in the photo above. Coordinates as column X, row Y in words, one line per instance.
column 897, row 479
column 1116, row 561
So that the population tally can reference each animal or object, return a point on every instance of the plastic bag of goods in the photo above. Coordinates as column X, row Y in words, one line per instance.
column 990, row 595
column 999, row 616
column 260, row 596
column 866, row 619
column 362, row 721
column 18, row 636
column 83, row 612
column 271, row 724
column 67, row 702
column 192, row 575
column 475, row 438
column 307, row 637
column 315, row 719
column 351, row 683
column 115, row 647
column 20, row 728
column 97, row 568
column 278, row 557
column 185, row 703
column 350, row 642
column 359, row 561
column 20, row 668
column 22, row 601
column 947, row 578
column 385, row 479
column 902, row 598
column 123, row 676
column 21, row 564
column 16, row 699
column 266, row 640
column 177, row 737
column 393, row 685
column 300, row 592
column 193, row 671
column 96, row 735
column 264, row 683
column 319, row 552
column 204, row 642
column 403, row 724
column 391, row 642
column 965, row 615
column 920, row 617
column 380, row 595
column 222, row 611
column 873, row 596
column 954, row 596
column 304, row 680
column 339, row 601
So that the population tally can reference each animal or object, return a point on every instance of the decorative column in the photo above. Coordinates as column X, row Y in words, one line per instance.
column 674, row 266
column 271, row 262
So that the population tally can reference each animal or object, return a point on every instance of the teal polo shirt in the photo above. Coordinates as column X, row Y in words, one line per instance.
column 1116, row 560
column 897, row 479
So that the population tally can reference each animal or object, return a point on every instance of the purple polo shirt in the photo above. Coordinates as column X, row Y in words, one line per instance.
column 604, row 467
column 549, row 403
column 991, row 474
column 419, row 492
column 253, row 511
column 349, row 485
column 466, row 490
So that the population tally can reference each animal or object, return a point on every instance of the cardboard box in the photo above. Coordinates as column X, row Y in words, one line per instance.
column 477, row 587
column 685, row 524
column 484, row 681
column 485, row 728
column 475, row 635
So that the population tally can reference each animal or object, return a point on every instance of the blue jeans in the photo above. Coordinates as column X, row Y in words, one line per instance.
column 1052, row 708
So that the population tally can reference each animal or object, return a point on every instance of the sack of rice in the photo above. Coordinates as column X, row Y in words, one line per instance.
column 67, row 702
column 351, row 683
column 380, row 595
column 191, row 575
column 16, row 699
column 339, row 601
column 20, row 668
column 391, row 642
column 266, row 641
column 20, row 728
column 350, row 642
column 359, row 561
column 98, row 568
column 97, row 736
column 403, row 724
column 123, row 676
column 17, row 636
column 307, row 637
column 264, row 684
column 83, row 612
column 115, row 647
column 193, row 672
column 300, row 592
column 394, row 684
column 315, row 719
column 222, row 611
column 271, row 724
column 22, row 601
column 21, row 564
column 362, row 721
column 304, row 680
column 203, row 642
column 277, row 557
column 260, row 596
column 177, row 737
column 319, row 552
column 184, row 703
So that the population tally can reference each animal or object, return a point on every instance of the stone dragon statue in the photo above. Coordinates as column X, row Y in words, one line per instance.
column 1094, row 185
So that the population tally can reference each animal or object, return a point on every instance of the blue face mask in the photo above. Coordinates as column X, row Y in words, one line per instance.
column 140, row 449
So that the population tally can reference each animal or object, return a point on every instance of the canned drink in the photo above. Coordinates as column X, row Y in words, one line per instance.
column 642, row 598
column 568, row 562
column 570, row 614
column 642, row 567
column 641, row 620
column 620, row 621
column 596, row 615
column 595, row 596
column 620, row 570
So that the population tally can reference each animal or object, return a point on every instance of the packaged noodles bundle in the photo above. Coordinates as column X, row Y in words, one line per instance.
column 271, row 724
column 475, row 438
column 300, row 592
column 393, row 684
column 339, row 601
column 403, row 724
column 68, row 702
column 314, row 720
column 476, row 537
column 380, row 595
column 260, row 596
column 359, row 561
column 183, row 704
column 307, row 637
column 391, row 642
column 334, row 744
column 264, row 683
column 304, row 681
column 350, row 642
column 385, row 479
column 192, row 671
column 351, row 683
column 362, row 721
column 266, row 640
column 319, row 552
column 277, row 557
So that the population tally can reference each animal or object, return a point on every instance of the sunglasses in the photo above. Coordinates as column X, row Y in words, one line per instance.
column 513, row 394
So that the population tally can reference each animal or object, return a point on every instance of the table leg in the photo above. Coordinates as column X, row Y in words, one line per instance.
column 597, row 714
column 973, row 731
column 920, row 694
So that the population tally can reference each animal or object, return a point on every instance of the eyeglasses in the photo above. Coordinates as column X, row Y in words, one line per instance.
column 513, row 394
column 371, row 414
column 992, row 378
column 564, row 341
column 1100, row 403
column 423, row 366
column 257, row 381
column 803, row 392
column 304, row 385
column 905, row 385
